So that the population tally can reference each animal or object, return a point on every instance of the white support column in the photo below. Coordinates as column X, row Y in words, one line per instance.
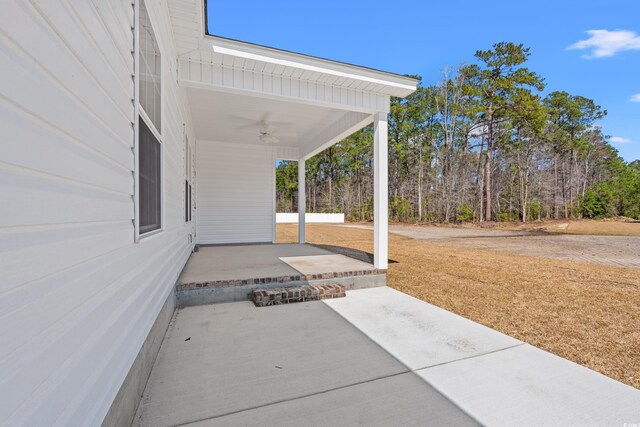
column 380, row 192
column 302, row 201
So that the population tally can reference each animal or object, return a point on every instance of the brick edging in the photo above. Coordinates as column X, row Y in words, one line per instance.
column 279, row 279
column 277, row 296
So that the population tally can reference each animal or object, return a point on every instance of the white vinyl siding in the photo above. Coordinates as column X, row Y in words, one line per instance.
column 235, row 197
column 77, row 295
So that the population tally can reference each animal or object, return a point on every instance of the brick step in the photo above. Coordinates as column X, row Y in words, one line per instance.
column 215, row 292
column 263, row 297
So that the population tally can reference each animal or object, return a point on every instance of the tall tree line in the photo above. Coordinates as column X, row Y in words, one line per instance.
column 481, row 145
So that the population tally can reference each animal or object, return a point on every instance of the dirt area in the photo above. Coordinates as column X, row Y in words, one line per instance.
column 586, row 312
column 608, row 227
column 617, row 251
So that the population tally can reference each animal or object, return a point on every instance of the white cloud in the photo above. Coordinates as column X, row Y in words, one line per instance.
column 605, row 43
column 635, row 98
column 619, row 140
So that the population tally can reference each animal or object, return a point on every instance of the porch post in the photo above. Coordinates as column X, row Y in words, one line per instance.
column 302, row 201
column 380, row 192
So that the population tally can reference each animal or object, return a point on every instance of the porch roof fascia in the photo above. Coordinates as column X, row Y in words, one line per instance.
column 347, row 74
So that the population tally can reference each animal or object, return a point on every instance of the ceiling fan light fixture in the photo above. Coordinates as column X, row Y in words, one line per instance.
column 267, row 138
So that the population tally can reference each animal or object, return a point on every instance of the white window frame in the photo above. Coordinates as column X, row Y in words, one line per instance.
column 140, row 113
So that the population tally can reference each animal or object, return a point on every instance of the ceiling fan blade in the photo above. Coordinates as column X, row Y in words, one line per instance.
column 280, row 124
column 248, row 126
column 286, row 134
column 244, row 123
column 268, row 118
column 267, row 127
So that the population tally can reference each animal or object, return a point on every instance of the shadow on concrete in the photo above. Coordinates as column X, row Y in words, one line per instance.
column 351, row 253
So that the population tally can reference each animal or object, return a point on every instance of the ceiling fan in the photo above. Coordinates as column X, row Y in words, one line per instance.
column 266, row 133
column 268, row 130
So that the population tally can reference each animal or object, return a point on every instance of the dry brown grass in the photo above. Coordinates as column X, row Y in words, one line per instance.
column 585, row 313
column 589, row 227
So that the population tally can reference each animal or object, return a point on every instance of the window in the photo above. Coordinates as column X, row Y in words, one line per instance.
column 148, row 179
column 149, row 126
column 149, row 70
column 187, row 201
column 187, row 181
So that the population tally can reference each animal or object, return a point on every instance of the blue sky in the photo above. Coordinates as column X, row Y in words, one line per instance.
column 422, row 37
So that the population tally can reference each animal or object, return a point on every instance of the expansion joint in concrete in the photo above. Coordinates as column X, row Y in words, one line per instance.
column 304, row 396
column 474, row 356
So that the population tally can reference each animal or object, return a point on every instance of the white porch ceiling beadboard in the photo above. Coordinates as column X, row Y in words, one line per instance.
column 221, row 116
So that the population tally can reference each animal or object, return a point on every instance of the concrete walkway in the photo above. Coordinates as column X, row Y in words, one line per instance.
column 298, row 364
column 496, row 379
column 377, row 357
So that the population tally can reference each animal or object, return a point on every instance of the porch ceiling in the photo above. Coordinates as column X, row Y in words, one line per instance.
column 232, row 117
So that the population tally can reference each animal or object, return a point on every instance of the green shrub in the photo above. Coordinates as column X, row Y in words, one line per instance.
column 534, row 210
column 593, row 205
column 465, row 213
column 504, row 216
column 400, row 208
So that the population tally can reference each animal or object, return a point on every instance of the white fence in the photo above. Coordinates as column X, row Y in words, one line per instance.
column 292, row 218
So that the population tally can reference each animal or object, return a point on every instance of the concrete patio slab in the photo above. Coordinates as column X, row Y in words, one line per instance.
column 496, row 379
column 528, row 386
column 229, row 360
column 227, row 273
column 325, row 263
column 230, row 262
column 416, row 333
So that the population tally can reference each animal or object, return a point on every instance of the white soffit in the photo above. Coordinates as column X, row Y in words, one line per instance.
column 233, row 117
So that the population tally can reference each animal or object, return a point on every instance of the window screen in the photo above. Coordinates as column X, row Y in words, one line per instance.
column 187, row 201
column 150, row 66
column 187, row 182
column 149, row 179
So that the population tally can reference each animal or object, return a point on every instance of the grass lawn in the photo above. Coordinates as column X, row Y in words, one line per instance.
column 586, row 313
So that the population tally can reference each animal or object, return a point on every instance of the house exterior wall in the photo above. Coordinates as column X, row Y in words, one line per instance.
column 77, row 295
column 236, row 192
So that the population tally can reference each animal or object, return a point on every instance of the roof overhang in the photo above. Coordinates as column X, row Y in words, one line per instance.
column 327, row 100
column 348, row 75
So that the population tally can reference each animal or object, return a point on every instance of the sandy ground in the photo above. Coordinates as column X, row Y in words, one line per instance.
column 608, row 227
column 617, row 251
column 585, row 310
